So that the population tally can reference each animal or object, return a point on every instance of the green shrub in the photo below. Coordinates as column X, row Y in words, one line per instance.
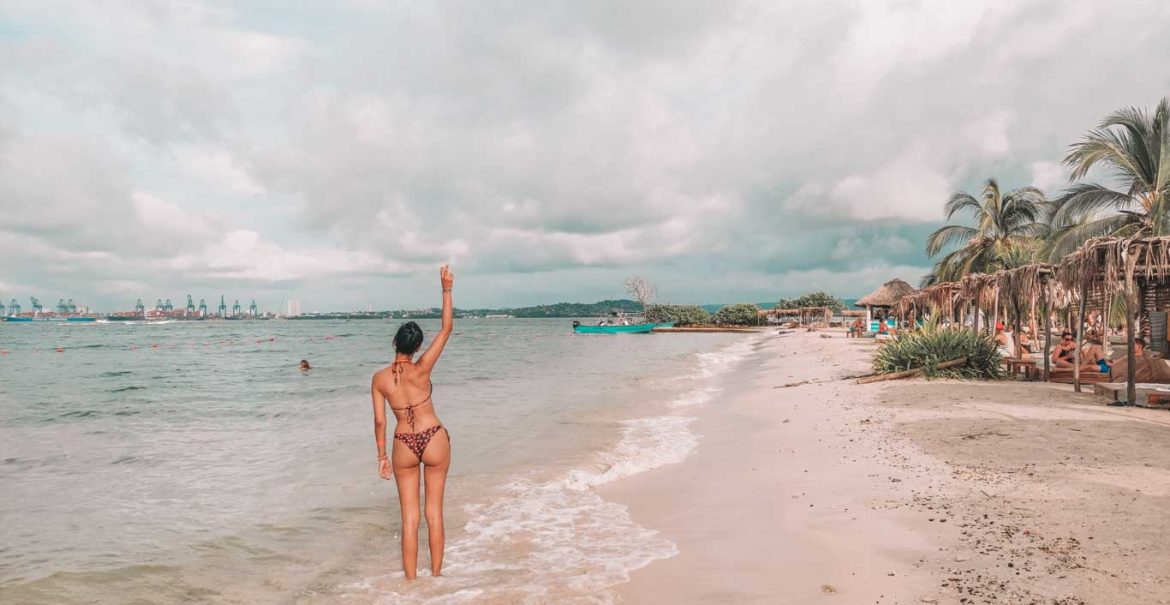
column 683, row 315
column 930, row 346
column 812, row 299
column 741, row 314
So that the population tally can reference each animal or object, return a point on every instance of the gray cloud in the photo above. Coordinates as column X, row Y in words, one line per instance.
column 337, row 152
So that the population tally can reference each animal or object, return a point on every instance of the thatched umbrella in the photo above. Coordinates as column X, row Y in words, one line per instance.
column 885, row 297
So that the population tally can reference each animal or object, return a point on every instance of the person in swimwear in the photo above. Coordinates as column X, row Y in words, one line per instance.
column 1064, row 351
column 1064, row 354
column 419, row 439
column 305, row 367
column 1094, row 353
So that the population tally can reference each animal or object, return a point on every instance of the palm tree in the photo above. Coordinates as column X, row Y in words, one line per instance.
column 1133, row 145
column 1006, row 234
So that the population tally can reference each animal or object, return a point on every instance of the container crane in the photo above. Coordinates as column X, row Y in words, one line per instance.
column 236, row 308
column 252, row 308
column 190, row 306
column 222, row 307
column 62, row 308
column 13, row 308
column 72, row 307
column 167, row 306
column 36, row 305
column 2, row 307
column 139, row 308
column 202, row 308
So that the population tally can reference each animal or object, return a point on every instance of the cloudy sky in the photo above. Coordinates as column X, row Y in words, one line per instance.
column 338, row 152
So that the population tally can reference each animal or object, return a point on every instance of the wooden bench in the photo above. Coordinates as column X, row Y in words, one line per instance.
column 1027, row 367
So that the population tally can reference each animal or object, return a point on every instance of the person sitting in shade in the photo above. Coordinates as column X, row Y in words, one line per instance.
column 1146, row 368
column 1094, row 352
column 1004, row 341
column 1026, row 343
column 1065, row 352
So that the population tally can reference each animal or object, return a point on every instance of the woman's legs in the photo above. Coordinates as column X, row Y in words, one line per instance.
column 437, row 459
column 407, row 479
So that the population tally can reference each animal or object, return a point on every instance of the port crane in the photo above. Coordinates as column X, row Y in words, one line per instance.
column 252, row 308
column 36, row 305
column 167, row 306
column 190, row 306
column 202, row 308
column 2, row 307
column 236, row 308
column 13, row 308
column 139, row 308
column 62, row 308
column 222, row 307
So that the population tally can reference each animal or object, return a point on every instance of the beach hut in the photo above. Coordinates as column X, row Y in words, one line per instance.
column 883, row 301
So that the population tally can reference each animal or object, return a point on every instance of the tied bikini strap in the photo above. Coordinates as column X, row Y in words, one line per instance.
column 397, row 369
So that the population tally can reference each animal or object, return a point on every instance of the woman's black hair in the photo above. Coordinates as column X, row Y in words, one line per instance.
column 408, row 338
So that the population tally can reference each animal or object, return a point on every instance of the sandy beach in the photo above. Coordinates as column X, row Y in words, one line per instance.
column 806, row 487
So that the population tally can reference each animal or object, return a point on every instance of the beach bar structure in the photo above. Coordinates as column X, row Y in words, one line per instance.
column 883, row 301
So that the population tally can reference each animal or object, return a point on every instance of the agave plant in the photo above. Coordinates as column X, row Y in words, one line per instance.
column 932, row 345
column 1133, row 146
column 1006, row 234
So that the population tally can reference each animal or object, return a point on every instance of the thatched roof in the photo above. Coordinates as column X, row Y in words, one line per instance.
column 887, row 295
column 1108, row 260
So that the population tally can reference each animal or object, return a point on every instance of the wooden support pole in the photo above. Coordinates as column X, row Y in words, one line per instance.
column 1019, row 352
column 1130, row 309
column 1047, row 330
column 978, row 297
column 1080, row 337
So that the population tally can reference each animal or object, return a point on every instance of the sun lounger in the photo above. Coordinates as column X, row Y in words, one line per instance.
column 1065, row 376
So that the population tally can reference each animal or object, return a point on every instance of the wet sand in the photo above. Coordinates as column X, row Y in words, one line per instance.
column 905, row 492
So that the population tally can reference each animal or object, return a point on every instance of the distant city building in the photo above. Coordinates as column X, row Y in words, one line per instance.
column 294, row 307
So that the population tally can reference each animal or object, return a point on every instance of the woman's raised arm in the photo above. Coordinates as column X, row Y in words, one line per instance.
column 428, row 359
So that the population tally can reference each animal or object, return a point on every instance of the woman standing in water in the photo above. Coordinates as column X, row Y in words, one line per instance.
column 419, row 438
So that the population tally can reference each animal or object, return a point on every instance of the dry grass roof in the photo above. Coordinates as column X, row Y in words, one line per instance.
column 887, row 295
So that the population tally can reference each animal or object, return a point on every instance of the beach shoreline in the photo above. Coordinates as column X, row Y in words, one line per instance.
column 910, row 492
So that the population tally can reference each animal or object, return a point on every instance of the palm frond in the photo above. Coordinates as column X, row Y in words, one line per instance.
column 1066, row 239
column 948, row 236
column 959, row 201
column 1088, row 199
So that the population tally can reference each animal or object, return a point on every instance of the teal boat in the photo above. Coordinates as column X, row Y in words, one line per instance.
column 641, row 328
column 619, row 323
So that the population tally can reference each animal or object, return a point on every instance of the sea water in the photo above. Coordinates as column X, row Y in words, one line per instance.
column 193, row 461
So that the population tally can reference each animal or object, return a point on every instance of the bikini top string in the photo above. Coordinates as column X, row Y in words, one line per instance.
column 397, row 369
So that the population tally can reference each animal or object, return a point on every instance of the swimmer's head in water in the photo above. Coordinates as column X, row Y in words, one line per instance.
column 408, row 339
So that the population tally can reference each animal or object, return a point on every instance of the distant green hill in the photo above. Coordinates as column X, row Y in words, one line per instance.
column 849, row 302
column 565, row 309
